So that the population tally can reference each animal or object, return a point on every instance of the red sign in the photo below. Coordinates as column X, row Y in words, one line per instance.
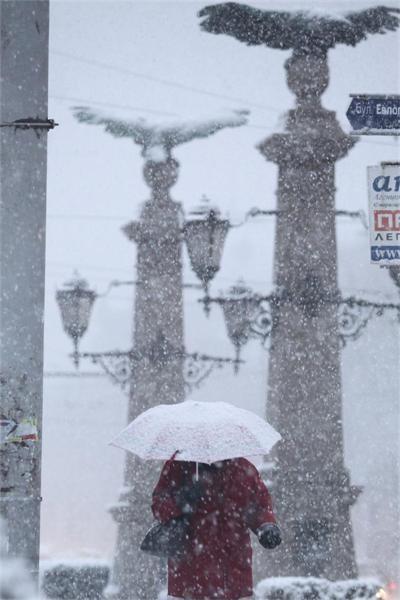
column 387, row 220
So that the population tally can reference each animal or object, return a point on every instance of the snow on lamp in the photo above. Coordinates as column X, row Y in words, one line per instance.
column 205, row 234
column 75, row 302
column 239, row 306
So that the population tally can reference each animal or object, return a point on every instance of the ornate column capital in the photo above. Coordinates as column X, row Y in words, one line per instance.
column 313, row 136
column 312, row 139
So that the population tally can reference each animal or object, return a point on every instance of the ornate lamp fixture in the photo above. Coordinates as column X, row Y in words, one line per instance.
column 246, row 316
column 76, row 302
column 205, row 234
column 249, row 315
column 239, row 306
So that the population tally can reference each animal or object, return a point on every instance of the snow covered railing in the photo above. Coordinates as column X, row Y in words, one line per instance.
column 74, row 579
column 87, row 579
column 312, row 588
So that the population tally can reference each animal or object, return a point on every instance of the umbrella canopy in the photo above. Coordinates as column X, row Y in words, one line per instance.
column 197, row 431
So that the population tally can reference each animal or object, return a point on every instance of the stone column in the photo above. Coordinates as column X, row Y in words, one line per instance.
column 311, row 484
column 157, row 372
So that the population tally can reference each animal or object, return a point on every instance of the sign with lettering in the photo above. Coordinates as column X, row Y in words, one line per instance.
column 374, row 115
column 384, row 213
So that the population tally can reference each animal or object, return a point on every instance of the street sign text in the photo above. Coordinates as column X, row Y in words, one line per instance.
column 375, row 114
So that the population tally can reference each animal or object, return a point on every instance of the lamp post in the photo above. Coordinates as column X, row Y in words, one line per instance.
column 311, row 482
column 156, row 367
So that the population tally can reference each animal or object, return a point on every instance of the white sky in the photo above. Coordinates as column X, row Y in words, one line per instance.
column 131, row 58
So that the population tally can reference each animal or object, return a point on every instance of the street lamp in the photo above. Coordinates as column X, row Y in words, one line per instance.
column 205, row 234
column 245, row 317
column 239, row 306
column 248, row 315
column 76, row 302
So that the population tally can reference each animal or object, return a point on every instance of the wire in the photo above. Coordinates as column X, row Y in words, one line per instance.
column 74, row 374
column 169, row 83
column 91, row 267
column 170, row 114
column 389, row 145
column 137, row 108
column 393, row 144
column 112, row 105
column 98, row 217
column 264, row 128
column 87, row 101
column 166, row 82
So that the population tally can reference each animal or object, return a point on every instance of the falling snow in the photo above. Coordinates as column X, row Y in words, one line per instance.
column 223, row 326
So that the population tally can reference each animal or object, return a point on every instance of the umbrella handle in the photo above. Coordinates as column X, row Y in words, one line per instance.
column 197, row 471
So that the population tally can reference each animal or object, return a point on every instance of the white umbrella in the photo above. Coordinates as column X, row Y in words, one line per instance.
column 197, row 431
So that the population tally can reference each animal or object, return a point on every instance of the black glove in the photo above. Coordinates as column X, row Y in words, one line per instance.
column 189, row 495
column 269, row 535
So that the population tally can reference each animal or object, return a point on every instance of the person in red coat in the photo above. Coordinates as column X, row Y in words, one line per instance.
column 227, row 501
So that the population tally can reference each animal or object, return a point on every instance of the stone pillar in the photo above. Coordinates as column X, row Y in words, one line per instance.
column 311, row 484
column 23, row 154
column 157, row 373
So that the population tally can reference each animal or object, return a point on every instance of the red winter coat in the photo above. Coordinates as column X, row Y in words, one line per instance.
column 218, row 559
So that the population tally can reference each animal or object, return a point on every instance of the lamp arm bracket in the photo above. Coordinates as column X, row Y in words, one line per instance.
column 252, row 213
column 257, row 212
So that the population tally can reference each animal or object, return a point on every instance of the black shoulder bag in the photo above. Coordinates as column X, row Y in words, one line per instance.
column 167, row 540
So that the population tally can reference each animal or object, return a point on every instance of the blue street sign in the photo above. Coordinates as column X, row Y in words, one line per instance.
column 377, row 115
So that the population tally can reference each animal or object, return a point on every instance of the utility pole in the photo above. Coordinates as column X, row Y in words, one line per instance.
column 23, row 136
column 311, row 484
column 157, row 360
